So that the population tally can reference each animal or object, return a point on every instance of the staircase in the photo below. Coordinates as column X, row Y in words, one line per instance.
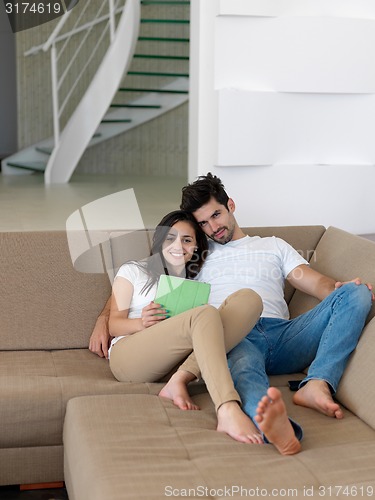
column 151, row 48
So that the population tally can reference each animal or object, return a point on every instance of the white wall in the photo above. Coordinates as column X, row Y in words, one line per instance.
column 282, row 108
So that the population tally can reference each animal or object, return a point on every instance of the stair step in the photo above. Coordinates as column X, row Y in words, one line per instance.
column 164, row 2
column 48, row 149
column 158, row 73
column 36, row 166
column 162, row 39
column 157, row 56
column 162, row 91
column 136, row 106
column 116, row 120
column 43, row 149
column 165, row 21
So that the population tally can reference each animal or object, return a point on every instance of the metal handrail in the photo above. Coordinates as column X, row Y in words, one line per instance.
column 56, row 37
column 59, row 38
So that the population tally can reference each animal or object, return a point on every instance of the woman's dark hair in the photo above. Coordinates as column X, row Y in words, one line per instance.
column 155, row 265
column 201, row 191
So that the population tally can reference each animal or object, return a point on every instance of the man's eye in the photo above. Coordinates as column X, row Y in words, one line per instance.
column 202, row 224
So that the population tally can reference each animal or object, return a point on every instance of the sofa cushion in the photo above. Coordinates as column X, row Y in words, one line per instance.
column 44, row 302
column 36, row 385
column 30, row 395
column 342, row 256
column 356, row 389
column 142, row 446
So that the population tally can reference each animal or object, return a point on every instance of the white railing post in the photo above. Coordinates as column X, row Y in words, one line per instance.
column 55, row 95
column 112, row 27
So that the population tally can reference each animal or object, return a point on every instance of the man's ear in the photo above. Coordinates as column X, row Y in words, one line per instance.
column 231, row 205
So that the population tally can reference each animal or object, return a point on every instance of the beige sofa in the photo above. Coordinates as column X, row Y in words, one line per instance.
column 121, row 440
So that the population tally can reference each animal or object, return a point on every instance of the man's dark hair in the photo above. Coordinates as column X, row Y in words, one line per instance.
column 200, row 192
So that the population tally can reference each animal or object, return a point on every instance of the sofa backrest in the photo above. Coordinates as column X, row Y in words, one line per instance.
column 52, row 294
column 137, row 244
column 45, row 303
column 344, row 256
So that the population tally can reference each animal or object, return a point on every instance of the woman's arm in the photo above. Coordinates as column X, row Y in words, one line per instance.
column 119, row 322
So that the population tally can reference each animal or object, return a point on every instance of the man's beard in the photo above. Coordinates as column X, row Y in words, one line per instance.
column 225, row 239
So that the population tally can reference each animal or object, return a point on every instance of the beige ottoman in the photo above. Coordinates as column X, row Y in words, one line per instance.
column 141, row 446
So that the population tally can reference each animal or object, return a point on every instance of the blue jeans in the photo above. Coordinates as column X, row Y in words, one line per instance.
column 322, row 339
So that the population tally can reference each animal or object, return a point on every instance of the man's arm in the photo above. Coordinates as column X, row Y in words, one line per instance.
column 318, row 285
column 100, row 338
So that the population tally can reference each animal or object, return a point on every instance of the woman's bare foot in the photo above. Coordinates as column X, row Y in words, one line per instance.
column 274, row 423
column 315, row 394
column 176, row 390
column 233, row 421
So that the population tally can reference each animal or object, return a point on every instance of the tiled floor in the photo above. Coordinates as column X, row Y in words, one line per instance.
column 27, row 204
column 14, row 493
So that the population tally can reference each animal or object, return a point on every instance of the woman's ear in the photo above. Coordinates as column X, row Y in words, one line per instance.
column 231, row 205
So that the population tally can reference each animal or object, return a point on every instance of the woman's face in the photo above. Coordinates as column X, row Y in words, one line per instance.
column 179, row 244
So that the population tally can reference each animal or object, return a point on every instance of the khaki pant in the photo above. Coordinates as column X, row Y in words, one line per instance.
column 200, row 336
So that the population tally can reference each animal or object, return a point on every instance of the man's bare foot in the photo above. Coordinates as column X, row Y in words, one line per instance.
column 273, row 421
column 315, row 394
column 176, row 390
column 233, row 421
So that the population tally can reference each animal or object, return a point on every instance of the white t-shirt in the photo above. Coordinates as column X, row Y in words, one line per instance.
column 138, row 278
column 261, row 264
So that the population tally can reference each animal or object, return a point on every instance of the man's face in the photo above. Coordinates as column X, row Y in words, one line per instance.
column 217, row 221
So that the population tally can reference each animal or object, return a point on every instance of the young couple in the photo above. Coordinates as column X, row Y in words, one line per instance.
column 240, row 269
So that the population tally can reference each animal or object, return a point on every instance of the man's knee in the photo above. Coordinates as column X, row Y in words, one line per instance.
column 240, row 354
column 360, row 296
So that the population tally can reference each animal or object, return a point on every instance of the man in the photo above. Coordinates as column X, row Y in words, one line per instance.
column 322, row 338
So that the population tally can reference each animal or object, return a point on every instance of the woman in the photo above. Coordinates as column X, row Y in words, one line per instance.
column 148, row 343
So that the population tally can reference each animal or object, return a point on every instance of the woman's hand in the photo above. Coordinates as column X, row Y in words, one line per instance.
column 152, row 314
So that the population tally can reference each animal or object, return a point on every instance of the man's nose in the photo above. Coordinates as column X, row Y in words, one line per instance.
column 214, row 226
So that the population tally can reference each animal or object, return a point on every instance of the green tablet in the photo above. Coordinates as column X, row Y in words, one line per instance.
column 178, row 294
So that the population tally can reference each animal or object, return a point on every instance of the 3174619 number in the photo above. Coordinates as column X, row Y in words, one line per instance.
column 33, row 8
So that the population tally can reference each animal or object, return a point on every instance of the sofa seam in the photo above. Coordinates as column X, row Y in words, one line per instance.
column 191, row 460
column 62, row 409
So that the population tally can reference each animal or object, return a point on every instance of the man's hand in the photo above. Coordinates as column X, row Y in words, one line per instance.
column 100, row 338
column 357, row 281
